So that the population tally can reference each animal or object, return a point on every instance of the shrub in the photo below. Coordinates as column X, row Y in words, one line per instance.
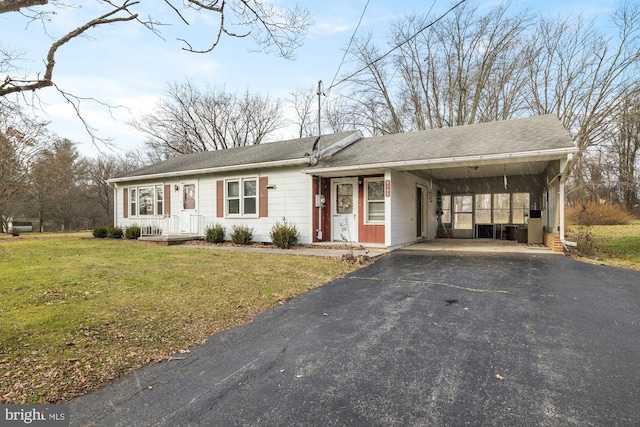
column 132, row 232
column 215, row 233
column 115, row 232
column 593, row 213
column 241, row 234
column 284, row 234
column 100, row 232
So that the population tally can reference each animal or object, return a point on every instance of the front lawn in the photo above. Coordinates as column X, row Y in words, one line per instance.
column 78, row 312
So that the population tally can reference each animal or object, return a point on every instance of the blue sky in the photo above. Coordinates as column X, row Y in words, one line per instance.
column 125, row 64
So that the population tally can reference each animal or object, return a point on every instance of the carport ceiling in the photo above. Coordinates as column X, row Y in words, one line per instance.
column 487, row 170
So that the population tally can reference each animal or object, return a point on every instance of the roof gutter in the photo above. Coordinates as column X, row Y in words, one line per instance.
column 279, row 163
column 452, row 161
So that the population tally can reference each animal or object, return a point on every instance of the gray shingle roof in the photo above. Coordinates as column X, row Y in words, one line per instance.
column 255, row 154
column 510, row 136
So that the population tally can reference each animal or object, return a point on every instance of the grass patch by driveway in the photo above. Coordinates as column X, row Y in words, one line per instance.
column 617, row 245
column 77, row 312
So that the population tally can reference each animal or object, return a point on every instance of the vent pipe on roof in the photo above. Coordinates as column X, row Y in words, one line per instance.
column 315, row 154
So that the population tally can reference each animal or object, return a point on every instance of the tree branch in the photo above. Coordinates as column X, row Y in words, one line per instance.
column 11, row 85
column 15, row 5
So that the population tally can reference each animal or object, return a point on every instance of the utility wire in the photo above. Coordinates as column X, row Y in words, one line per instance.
column 399, row 45
column 353, row 36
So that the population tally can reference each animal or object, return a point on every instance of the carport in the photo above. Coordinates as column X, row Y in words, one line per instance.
column 496, row 181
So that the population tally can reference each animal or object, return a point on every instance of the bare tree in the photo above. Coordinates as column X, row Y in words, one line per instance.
column 191, row 121
column 20, row 142
column 303, row 101
column 465, row 68
column 377, row 104
column 579, row 73
column 98, row 193
column 337, row 114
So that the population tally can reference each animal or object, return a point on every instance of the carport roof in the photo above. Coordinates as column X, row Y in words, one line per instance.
column 538, row 138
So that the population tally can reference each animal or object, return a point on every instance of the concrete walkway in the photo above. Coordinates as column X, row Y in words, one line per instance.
column 480, row 245
column 438, row 245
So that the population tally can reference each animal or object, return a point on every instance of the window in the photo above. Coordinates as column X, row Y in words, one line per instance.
column 159, row 200
column 344, row 202
column 520, row 208
column 145, row 201
column 375, row 200
column 501, row 208
column 250, row 197
column 133, row 202
column 463, row 212
column 242, row 197
column 483, row 208
column 189, row 196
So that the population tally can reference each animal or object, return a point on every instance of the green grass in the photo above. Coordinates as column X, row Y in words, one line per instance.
column 615, row 244
column 77, row 312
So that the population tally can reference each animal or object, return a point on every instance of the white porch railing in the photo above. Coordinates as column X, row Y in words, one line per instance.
column 196, row 225
column 172, row 225
column 159, row 226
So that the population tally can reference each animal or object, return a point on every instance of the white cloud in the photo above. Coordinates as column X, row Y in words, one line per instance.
column 330, row 28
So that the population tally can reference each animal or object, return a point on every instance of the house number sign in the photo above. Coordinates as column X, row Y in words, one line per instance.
column 387, row 188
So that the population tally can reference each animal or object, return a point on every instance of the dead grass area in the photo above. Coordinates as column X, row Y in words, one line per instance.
column 78, row 312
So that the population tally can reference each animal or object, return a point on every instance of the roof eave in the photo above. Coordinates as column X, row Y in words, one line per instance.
column 551, row 154
column 220, row 169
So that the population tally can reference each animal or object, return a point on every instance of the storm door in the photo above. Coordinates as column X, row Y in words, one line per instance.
column 344, row 221
column 188, row 214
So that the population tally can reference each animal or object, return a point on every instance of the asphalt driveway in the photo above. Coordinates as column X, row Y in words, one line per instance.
column 417, row 338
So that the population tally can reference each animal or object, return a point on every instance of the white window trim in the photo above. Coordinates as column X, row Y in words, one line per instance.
column 366, row 201
column 136, row 213
column 241, row 197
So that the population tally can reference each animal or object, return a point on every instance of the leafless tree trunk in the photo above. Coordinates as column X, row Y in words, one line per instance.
column 624, row 146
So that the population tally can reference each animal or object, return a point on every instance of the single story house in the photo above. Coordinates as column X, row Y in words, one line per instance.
column 487, row 180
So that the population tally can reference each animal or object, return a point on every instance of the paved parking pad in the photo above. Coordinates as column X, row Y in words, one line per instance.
column 417, row 338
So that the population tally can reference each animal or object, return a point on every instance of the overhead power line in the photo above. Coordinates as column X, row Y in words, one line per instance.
column 353, row 36
column 399, row 45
